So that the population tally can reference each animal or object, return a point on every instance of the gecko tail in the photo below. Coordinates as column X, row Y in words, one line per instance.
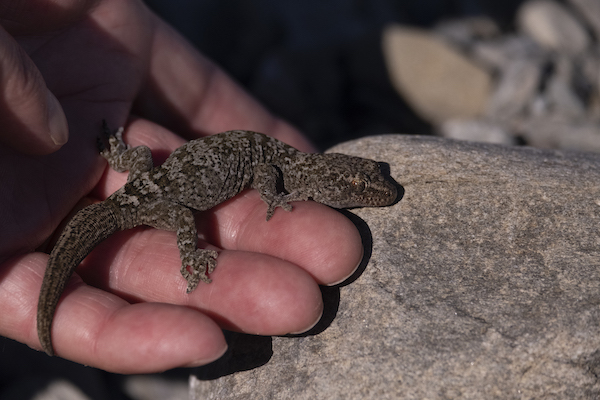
column 86, row 229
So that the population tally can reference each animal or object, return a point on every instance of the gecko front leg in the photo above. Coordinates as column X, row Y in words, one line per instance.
column 270, row 186
column 123, row 158
column 195, row 263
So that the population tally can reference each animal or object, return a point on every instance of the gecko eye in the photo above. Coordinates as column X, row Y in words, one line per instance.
column 358, row 185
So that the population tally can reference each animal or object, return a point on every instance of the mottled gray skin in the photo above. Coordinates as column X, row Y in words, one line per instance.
column 197, row 176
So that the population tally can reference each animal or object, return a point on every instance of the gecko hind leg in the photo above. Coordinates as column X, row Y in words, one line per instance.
column 195, row 263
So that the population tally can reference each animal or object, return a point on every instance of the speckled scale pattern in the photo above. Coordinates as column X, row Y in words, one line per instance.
column 198, row 176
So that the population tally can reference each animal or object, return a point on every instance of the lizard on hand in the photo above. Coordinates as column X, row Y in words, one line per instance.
column 195, row 177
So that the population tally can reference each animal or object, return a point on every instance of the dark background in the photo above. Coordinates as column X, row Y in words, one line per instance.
column 318, row 63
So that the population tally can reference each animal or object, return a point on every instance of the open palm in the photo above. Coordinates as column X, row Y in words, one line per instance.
column 126, row 310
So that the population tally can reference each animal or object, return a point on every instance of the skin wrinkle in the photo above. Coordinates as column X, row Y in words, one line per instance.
column 197, row 176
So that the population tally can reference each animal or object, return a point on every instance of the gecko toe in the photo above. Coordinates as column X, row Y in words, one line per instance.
column 195, row 266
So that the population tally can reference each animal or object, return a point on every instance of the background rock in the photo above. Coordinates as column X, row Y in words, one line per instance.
column 499, row 52
column 560, row 95
column 546, row 79
column 555, row 132
column 436, row 80
column 553, row 26
column 590, row 10
column 516, row 88
column 466, row 31
column 483, row 282
column 476, row 131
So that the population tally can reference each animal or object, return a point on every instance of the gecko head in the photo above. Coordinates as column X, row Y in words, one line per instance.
column 345, row 181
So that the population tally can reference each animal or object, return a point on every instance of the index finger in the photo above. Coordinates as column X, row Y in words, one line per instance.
column 33, row 121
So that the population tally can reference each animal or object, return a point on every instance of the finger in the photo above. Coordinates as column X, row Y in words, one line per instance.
column 249, row 292
column 38, row 16
column 315, row 237
column 266, row 286
column 190, row 95
column 96, row 328
column 33, row 121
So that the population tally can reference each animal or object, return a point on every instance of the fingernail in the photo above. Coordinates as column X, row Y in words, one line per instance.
column 201, row 362
column 311, row 325
column 57, row 121
column 362, row 254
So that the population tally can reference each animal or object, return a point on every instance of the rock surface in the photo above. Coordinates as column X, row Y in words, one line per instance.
column 436, row 80
column 483, row 282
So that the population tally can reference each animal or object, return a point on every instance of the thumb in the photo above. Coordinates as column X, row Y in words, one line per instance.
column 31, row 118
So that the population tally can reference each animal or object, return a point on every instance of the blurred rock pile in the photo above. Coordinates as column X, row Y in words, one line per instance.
column 538, row 85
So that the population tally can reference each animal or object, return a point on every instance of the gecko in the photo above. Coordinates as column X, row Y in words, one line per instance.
column 198, row 176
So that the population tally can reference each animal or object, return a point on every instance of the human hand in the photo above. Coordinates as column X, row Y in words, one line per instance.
column 127, row 310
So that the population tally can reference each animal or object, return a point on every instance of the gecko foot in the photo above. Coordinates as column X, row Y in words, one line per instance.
column 196, row 265
column 281, row 200
column 116, row 145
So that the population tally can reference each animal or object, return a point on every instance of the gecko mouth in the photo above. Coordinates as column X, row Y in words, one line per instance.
column 387, row 195
column 378, row 197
